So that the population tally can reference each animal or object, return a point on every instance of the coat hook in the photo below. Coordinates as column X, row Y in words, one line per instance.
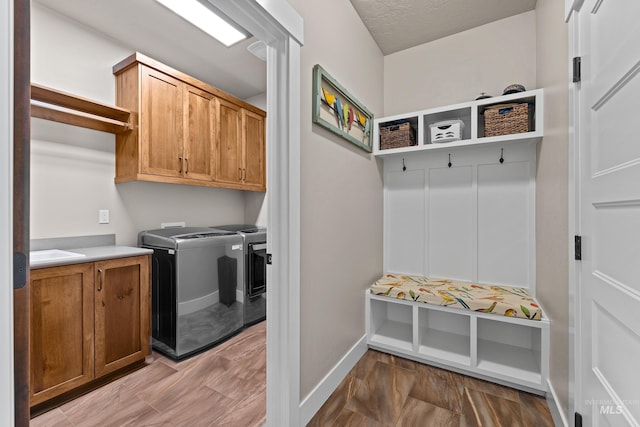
column 404, row 167
column 449, row 164
column 501, row 155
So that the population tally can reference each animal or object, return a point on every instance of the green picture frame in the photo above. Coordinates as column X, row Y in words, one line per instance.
column 336, row 110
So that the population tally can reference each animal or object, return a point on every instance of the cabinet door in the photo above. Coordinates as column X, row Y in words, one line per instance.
column 161, row 124
column 229, row 145
column 198, row 136
column 254, row 150
column 61, row 330
column 122, row 312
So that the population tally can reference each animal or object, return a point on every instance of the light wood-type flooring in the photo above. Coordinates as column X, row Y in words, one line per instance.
column 225, row 386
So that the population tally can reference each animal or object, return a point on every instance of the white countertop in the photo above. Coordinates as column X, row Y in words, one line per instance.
column 91, row 254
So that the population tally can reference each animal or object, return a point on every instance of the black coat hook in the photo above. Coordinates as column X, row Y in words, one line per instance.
column 501, row 155
column 449, row 164
column 404, row 167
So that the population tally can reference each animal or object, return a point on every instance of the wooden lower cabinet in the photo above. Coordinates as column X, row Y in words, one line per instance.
column 87, row 320
column 61, row 349
column 122, row 313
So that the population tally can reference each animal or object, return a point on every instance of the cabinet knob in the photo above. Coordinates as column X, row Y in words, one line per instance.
column 100, row 272
column 186, row 162
column 180, row 160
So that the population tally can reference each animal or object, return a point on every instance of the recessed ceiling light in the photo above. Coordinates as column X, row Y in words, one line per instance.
column 205, row 19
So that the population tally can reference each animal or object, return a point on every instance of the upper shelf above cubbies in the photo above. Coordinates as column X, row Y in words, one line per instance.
column 472, row 115
column 52, row 104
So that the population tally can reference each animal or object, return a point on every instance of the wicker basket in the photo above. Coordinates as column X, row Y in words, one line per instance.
column 396, row 135
column 505, row 119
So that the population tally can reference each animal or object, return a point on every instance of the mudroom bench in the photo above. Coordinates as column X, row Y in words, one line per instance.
column 496, row 333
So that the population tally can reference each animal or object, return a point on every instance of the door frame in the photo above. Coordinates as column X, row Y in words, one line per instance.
column 572, row 8
column 280, row 27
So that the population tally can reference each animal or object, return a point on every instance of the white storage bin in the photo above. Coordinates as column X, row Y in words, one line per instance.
column 446, row 131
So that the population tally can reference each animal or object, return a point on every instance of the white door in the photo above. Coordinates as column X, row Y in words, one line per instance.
column 608, row 381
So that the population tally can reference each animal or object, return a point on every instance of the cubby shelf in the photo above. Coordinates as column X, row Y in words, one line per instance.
column 471, row 113
column 507, row 350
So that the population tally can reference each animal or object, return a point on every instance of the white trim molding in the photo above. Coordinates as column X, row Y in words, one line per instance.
column 321, row 392
column 7, row 408
column 559, row 418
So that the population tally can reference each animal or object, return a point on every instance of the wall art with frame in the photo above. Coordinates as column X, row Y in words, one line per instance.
column 336, row 110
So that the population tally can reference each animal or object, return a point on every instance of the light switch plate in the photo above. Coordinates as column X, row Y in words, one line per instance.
column 103, row 216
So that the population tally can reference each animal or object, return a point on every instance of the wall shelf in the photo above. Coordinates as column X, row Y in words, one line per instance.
column 62, row 107
column 472, row 114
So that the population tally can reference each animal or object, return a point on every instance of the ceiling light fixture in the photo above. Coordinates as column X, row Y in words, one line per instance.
column 206, row 19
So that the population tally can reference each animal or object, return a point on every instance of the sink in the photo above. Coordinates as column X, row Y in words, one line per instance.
column 52, row 255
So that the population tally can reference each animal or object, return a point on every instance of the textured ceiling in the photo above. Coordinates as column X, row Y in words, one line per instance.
column 400, row 24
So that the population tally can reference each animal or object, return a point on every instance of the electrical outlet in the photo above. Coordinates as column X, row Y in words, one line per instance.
column 103, row 216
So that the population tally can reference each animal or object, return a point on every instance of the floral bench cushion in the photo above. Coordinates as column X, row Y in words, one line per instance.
column 501, row 300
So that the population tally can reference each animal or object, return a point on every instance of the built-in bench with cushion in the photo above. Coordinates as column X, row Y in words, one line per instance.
column 497, row 333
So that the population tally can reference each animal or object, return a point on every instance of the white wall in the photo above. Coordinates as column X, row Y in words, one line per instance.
column 341, row 193
column 459, row 67
column 73, row 168
column 6, row 213
column 553, row 192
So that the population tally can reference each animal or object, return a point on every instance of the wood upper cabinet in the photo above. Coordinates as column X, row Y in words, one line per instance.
column 199, row 134
column 161, row 124
column 253, row 140
column 186, row 131
column 229, row 148
column 61, row 331
column 241, row 147
column 122, row 312
column 87, row 320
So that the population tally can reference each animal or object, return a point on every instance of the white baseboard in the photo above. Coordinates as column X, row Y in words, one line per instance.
column 316, row 398
column 559, row 418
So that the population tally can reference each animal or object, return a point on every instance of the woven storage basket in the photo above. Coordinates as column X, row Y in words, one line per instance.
column 506, row 119
column 396, row 135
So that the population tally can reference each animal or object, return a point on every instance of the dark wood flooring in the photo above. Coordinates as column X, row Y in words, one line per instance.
column 226, row 386
column 384, row 390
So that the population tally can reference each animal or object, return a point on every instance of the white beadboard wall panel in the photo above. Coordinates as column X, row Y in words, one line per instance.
column 404, row 221
column 474, row 221
column 504, row 212
column 451, row 224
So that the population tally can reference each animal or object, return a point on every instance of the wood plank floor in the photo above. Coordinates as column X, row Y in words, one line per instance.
column 384, row 390
column 226, row 386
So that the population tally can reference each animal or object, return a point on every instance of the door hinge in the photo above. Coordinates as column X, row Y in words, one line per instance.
column 269, row 258
column 19, row 270
column 576, row 69
column 578, row 247
column 578, row 420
